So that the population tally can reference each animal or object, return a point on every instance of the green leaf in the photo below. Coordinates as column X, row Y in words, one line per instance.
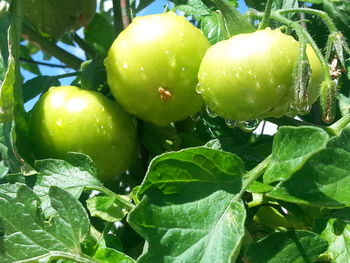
column 7, row 100
column 287, row 247
column 93, row 74
column 287, row 154
column 171, row 171
column 344, row 104
column 5, row 21
column 108, row 255
column 198, row 207
column 72, row 222
column 28, row 235
column 324, row 180
column 257, row 187
column 194, row 8
column 37, row 85
column 213, row 28
column 8, row 151
column 106, row 208
column 337, row 233
column 277, row 4
column 235, row 23
column 73, row 176
column 202, row 223
column 99, row 39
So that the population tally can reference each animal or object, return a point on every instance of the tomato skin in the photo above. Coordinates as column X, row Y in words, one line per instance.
column 251, row 75
column 152, row 68
column 68, row 119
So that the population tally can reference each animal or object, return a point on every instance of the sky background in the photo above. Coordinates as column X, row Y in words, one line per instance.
column 154, row 8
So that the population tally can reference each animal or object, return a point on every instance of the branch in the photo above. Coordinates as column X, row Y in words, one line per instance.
column 26, row 60
column 120, row 14
column 49, row 46
column 83, row 45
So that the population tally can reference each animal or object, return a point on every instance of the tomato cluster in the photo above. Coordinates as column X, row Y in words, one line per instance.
column 153, row 68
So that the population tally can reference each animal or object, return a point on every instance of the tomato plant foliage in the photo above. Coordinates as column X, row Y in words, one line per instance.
column 88, row 185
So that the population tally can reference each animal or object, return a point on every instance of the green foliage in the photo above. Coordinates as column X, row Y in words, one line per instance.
column 287, row 247
column 199, row 189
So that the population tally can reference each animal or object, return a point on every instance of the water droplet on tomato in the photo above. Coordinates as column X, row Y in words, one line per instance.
column 210, row 112
column 199, row 88
column 249, row 126
column 59, row 122
column 125, row 65
column 230, row 123
column 196, row 116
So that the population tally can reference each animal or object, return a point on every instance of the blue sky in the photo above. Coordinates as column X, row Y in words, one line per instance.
column 154, row 8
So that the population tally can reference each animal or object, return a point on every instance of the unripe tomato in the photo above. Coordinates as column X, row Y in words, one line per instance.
column 56, row 17
column 68, row 119
column 152, row 68
column 251, row 75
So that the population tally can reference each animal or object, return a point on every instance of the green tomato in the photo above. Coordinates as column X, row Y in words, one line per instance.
column 68, row 119
column 56, row 17
column 152, row 68
column 251, row 75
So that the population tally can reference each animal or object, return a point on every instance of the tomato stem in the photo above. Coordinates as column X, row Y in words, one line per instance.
column 254, row 174
column 323, row 15
column 339, row 125
column 265, row 22
column 118, row 198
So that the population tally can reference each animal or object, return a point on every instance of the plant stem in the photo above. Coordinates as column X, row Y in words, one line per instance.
column 125, row 13
column 59, row 255
column 67, row 75
column 120, row 15
column 66, row 57
column 339, row 125
column 254, row 174
column 25, row 60
column 108, row 192
column 84, row 46
column 325, row 17
column 265, row 22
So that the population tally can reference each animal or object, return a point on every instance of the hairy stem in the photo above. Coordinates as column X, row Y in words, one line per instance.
column 265, row 22
column 325, row 17
column 49, row 46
